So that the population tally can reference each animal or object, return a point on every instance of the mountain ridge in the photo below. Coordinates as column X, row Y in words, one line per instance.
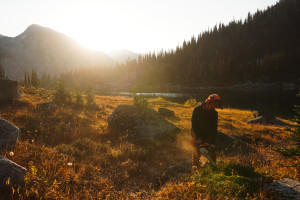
column 46, row 51
column 122, row 55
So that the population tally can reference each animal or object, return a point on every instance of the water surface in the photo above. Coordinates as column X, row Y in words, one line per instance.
column 277, row 101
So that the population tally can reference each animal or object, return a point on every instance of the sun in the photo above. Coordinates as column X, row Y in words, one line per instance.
column 101, row 29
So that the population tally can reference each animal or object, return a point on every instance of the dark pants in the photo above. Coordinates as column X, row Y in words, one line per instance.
column 196, row 151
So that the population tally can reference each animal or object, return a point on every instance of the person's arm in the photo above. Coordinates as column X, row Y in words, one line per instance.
column 215, row 129
column 195, row 121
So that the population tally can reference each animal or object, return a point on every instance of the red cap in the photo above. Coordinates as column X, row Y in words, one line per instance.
column 215, row 100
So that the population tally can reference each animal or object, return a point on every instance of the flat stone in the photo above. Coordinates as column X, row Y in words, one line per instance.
column 257, row 120
column 287, row 189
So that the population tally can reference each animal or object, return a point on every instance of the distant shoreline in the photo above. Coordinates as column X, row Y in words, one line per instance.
column 169, row 88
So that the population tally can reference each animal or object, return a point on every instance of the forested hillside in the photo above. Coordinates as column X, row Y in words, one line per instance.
column 264, row 47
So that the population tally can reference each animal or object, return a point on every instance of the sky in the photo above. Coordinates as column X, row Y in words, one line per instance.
column 141, row 26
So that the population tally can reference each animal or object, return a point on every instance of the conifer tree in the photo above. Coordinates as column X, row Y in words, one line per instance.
column 61, row 95
column 34, row 79
column 25, row 80
column 79, row 98
column 29, row 80
column 48, row 81
column 89, row 95
column 43, row 81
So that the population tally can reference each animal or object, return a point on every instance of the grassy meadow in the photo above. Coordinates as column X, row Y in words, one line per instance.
column 70, row 154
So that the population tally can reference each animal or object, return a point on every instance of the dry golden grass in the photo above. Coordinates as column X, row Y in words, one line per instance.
column 62, row 165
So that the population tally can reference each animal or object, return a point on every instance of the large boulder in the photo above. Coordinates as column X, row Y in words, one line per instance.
column 8, row 89
column 287, row 189
column 140, row 122
column 267, row 115
column 231, row 146
column 12, row 171
column 46, row 106
column 9, row 135
column 277, row 122
column 257, row 120
column 166, row 112
column 264, row 117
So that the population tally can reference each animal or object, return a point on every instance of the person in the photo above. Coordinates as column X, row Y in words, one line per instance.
column 204, row 128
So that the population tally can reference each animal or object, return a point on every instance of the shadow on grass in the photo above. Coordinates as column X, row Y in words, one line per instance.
column 229, row 180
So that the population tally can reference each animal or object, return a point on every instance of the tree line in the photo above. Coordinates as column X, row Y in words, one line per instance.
column 65, row 88
column 264, row 47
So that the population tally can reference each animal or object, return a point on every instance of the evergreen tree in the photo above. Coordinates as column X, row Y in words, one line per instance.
column 79, row 98
column 25, row 80
column 34, row 79
column 89, row 95
column 61, row 95
column 48, row 81
column 28, row 80
column 45, row 81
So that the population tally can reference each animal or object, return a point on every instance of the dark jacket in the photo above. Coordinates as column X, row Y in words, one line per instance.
column 204, row 124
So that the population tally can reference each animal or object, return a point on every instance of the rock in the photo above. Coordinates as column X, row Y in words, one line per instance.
column 9, row 135
column 268, row 116
column 277, row 122
column 12, row 171
column 264, row 117
column 8, row 89
column 166, row 112
column 48, row 106
column 140, row 122
column 287, row 189
column 230, row 145
column 257, row 120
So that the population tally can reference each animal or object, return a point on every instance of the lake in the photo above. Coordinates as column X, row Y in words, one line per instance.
column 278, row 101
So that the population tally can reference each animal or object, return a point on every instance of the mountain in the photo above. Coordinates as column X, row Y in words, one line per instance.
column 46, row 51
column 122, row 55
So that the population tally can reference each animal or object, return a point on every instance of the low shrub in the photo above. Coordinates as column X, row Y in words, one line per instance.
column 83, row 149
column 230, row 180
column 140, row 101
column 191, row 102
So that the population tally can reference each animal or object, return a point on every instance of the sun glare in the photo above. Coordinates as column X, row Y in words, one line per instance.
column 102, row 29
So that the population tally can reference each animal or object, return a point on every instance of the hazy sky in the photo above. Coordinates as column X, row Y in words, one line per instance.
column 138, row 25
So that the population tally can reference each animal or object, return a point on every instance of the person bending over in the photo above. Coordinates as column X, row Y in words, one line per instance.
column 204, row 128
